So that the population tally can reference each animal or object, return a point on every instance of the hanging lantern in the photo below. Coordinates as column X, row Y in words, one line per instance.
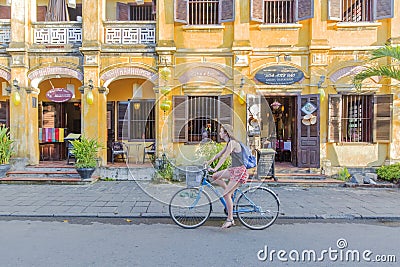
column 165, row 90
column 165, row 73
column 242, row 97
column 165, row 105
column 89, row 97
column 16, row 98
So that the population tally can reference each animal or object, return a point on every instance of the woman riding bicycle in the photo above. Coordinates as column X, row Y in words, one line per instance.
column 237, row 173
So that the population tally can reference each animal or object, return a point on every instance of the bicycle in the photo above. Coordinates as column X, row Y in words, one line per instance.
column 256, row 207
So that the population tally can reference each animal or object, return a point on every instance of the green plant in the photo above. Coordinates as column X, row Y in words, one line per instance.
column 209, row 150
column 6, row 149
column 344, row 174
column 389, row 172
column 167, row 171
column 85, row 152
column 108, row 179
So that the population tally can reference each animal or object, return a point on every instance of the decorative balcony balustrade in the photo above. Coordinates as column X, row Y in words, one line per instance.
column 57, row 33
column 5, row 34
column 130, row 33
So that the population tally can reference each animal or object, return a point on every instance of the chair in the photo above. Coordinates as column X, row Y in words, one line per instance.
column 150, row 151
column 119, row 148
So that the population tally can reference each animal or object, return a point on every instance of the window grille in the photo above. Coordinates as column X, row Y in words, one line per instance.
column 203, row 118
column 357, row 10
column 141, row 13
column 203, row 12
column 278, row 11
column 136, row 120
column 357, row 118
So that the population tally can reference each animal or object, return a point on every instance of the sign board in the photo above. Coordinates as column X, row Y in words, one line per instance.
column 59, row 95
column 265, row 165
column 279, row 75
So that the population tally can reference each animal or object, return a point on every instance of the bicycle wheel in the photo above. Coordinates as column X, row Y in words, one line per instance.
column 190, row 207
column 257, row 208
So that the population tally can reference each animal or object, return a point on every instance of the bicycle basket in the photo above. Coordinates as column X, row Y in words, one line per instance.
column 193, row 176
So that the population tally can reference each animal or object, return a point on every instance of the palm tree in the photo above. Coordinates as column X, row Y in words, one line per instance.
column 388, row 71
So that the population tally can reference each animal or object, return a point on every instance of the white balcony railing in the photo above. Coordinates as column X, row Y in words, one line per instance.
column 5, row 33
column 57, row 33
column 129, row 33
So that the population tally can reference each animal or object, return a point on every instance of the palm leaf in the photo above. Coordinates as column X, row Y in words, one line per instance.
column 386, row 71
column 387, row 51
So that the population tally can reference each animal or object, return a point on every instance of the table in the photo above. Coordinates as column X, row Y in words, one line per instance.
column 135, row 149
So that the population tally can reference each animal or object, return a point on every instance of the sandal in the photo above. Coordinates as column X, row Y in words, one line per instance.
column 228, row 223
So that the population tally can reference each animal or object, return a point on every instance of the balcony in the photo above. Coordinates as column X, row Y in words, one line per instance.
column 57, row 33
column 5, row 34
column 130, row 33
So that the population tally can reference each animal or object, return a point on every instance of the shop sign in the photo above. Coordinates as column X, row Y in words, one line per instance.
column 279, row 75
column 59, row 95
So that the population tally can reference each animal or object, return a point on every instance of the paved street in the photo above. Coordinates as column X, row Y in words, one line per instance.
column 122, row 199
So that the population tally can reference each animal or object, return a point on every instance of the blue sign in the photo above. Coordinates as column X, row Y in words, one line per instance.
column 280, row 74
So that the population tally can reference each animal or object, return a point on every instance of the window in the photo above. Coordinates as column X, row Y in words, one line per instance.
column 278, row 11
column 204, row 12
column 198, row 117
column 360, row 118
column 136, row 120
column 281, row 11
column 360, row 10
column 135, row 12
column 4, row 113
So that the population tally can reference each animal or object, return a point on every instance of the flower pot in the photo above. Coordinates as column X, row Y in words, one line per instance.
column 85, row 173
column 4, row 169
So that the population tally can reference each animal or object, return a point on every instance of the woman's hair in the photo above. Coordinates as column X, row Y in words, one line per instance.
column 228, row 129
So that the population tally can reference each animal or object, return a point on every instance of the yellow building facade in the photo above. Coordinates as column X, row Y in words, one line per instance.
column 169, row 71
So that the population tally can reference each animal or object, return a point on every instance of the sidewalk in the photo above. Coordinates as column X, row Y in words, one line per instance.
column 128, row 199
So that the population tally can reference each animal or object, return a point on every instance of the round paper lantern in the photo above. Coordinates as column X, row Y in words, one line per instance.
column 165, row 90
column 165, row 105
column 89, row 98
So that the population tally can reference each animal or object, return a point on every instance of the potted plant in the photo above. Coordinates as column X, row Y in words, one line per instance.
column 85, row 152
column 5, row 150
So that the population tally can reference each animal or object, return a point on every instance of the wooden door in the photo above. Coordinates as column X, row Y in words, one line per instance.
column 308, row 131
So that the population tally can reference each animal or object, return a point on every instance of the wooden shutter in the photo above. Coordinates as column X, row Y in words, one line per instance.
column 335, row 10
column 226, row 10
column 123, row 120
column 41, row 13
column 5, row 12
column 383, row 9
column 257, row 10
column 122, row 11
column 334, row 118
column 383, row 118
column 304, row 9
column 181, row 11
column 180, row 113
column 225, row 109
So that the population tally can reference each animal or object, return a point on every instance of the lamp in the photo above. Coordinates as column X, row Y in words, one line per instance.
column 242, row 94
column 136, row 105
column 89, row 95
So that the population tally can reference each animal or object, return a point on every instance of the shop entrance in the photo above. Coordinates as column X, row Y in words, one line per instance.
column 284, row 113
column 56, row 121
